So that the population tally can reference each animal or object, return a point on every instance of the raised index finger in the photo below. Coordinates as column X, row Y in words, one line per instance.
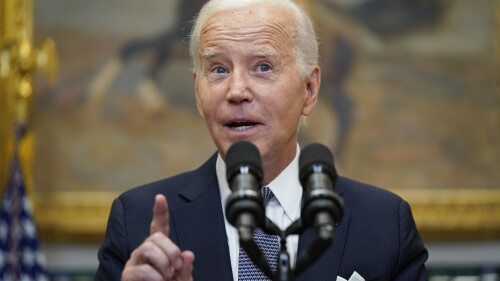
column 160, row 222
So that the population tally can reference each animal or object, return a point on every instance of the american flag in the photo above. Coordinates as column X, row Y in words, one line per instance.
column 20, row 259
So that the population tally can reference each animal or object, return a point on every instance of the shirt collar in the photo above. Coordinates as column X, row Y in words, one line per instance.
column 286, row 186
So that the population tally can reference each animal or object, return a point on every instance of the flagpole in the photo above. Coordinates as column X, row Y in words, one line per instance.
column 19, row 59
column 20, row 258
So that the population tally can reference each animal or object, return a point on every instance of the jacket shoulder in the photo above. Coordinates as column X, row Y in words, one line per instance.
column 359, row 193
column 171, row 186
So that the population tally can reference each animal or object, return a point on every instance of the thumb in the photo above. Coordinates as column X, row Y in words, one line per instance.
column 185, row 272
column 160, row 222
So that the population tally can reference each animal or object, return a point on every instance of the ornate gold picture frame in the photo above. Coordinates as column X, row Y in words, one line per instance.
column 409, row 102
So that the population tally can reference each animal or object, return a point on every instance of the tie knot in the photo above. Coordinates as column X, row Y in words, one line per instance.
column 267, row 194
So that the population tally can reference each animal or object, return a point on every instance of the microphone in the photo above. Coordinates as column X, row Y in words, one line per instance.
column 244, row 207
column 322, row 207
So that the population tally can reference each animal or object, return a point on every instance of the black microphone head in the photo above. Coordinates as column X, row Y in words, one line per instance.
column 316, row 155
column 243, row 154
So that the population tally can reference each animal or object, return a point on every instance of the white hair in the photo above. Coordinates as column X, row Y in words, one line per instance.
column 306, row 44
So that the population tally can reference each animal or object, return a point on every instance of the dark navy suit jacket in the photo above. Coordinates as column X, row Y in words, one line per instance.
column 377, row 236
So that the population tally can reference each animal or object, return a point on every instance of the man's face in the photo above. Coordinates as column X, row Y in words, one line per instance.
column 249, row 85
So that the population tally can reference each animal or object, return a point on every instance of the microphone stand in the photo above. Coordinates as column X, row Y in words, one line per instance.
column 322, row 208
column 284, row 271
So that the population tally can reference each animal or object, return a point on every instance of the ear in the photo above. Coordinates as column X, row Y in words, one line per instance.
column 197, row 95
column 313, row 82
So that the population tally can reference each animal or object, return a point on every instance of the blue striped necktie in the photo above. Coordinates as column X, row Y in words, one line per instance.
column 268, row 244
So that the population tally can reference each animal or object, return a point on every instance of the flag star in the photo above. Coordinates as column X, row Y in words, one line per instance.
column 40, row 259
column 27, row 205
column 29, row 228
column 29, row 258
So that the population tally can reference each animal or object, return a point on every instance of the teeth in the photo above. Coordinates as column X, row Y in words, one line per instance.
column 242, row 128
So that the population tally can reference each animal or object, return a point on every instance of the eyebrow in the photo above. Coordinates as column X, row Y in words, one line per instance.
column 208, row 54
column 211, row 53
column 266, row 53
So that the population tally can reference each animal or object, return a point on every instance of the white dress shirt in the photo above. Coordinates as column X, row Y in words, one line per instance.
column 282, row 211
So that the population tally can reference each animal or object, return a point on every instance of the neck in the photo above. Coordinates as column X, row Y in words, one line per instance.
column 274, row 167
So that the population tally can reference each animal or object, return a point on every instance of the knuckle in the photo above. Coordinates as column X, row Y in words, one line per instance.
column 148, row 253
column 157, row 237
column 144, row 251
column 173, row 250
column 147, row 246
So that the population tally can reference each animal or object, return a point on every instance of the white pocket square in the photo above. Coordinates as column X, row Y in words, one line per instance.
column 354, row 277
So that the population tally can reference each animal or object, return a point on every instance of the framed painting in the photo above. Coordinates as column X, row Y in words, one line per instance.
column 409, row 102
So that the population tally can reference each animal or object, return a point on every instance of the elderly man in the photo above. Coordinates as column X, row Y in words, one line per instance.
column 256, row 76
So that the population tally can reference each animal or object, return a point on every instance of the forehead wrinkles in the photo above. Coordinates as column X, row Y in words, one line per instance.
column 272, row 32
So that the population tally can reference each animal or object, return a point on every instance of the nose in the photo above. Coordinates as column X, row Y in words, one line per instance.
column 239, row 88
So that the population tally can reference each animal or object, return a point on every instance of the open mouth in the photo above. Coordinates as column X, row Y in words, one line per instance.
column 241, row 126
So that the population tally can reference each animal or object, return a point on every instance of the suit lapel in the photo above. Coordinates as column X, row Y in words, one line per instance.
column 199, row 225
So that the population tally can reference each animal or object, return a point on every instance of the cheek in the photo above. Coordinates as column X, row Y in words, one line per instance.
column 295, row 102
column 286, row 114
column 207, row 107
column 202, row 101
column 202, row 107
column 199, row 106
column 208, row 97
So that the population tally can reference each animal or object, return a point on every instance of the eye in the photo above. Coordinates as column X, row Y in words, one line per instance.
column 219, row 70
column 263, row 67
